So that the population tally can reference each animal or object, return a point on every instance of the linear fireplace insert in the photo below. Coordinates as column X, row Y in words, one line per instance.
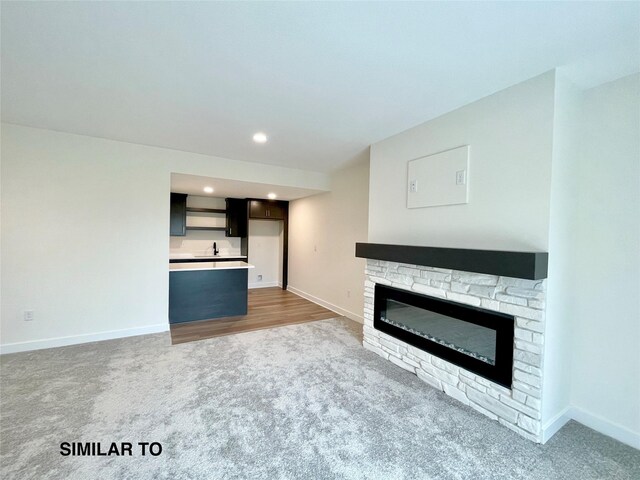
column 475, row 339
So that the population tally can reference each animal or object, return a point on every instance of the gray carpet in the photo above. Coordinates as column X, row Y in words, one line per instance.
column 297, row 402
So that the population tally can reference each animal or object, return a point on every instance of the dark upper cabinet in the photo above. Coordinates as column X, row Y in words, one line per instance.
column 257, row 209
column 267, row 209
column 178, row 216
column 236, row 218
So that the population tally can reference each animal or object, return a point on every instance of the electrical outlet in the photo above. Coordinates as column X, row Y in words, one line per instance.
column 461, row 177
column 259, row 278
column 348, row 293
column 413, row 186
column 28, row 315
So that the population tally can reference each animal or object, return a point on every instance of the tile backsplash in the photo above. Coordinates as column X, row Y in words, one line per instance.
column 200, row 242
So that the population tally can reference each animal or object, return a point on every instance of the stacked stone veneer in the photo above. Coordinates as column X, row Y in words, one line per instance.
column 517, row 408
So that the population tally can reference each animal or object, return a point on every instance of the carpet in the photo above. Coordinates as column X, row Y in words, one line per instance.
column 297, row 402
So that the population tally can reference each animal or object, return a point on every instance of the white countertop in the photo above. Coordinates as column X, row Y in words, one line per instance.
column 239, row 257
column 192, row 266
column 186, row 256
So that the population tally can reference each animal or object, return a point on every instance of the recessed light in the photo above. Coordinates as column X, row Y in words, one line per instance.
column 260, row 137
column 272, row 196
column 208, row 189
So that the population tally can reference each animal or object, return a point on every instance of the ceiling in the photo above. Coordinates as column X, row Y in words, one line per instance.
column 324, row 80
column 194, row 185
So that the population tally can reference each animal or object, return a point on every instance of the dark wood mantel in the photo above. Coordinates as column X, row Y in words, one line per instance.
column 527, row 265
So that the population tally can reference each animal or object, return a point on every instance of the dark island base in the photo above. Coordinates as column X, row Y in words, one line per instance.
column 206, row 294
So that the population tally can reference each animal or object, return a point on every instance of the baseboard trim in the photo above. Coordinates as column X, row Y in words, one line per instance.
column 86, row 338
column 325, row 304
column 594, row 422
column 263, row 285
column 555, row 424
column 606, row 427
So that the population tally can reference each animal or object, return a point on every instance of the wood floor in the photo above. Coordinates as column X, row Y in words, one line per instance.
column 267, row 308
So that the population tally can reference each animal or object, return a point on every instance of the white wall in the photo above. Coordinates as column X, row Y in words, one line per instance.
column 265, row 253
column 322, row 236
column 510, row 134
column 561, row 282
column 84, row 235
column 557, row 170
column 606, row 314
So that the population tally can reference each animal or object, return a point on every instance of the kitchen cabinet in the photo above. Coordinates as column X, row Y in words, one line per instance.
column 179, row 212
column 267, row 209
column 236, row 218
column 178, row 216
column 207, row 291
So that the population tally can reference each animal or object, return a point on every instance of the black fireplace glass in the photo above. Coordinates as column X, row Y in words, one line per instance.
column 478, row 340
column 474, row 340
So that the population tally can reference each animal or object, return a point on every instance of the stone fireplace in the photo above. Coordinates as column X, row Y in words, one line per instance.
column 476, row 336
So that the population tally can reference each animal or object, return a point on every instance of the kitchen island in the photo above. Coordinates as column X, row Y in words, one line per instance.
column 207, row 290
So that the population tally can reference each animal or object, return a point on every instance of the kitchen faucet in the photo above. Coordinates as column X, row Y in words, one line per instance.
column 215, row 250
